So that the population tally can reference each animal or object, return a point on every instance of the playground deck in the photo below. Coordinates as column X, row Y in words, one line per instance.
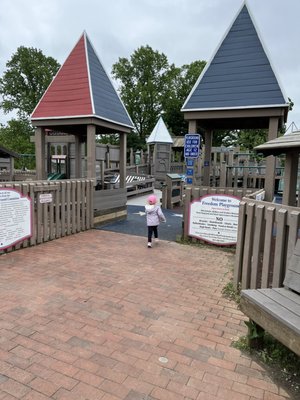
column 96, row 316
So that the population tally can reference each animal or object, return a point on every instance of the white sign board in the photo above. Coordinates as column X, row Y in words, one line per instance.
column 15, row 217
column 45, row 198
column 214, row 219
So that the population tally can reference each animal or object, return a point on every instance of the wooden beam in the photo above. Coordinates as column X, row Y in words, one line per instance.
column 40, row 153
column 91, row 152
column 123, row 157
column 207, row 157
column 271, row 161
column 290, row 179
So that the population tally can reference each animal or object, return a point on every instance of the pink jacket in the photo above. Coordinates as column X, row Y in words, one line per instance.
column 154, row 215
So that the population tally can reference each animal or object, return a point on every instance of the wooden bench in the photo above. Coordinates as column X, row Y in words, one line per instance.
column 277, row 311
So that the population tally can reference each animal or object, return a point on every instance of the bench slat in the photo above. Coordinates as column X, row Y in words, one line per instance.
column 289, row 295
column 276, row 310
column 284, row 297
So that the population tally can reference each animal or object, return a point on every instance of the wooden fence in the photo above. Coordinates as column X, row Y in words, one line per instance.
column 267, row 234
column 69, row 211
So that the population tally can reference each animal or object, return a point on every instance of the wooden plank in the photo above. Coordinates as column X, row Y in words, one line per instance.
column 276, row 328
column 285, row 297
column 73, row 206
column 32, row 195
column 83, row 205
column 267, row 259
column 58, row 205
column 51, row 214
column 68, row 207
column 246, row 269
column 289, row 294
column 293, row 222
column 240, row 245
column 63, row 187
column 25, row 192
column 257, row 245
column 279, row 264
column 274, row 309
column 78, row 206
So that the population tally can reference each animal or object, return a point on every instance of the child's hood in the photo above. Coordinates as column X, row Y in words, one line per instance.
column 151, row 207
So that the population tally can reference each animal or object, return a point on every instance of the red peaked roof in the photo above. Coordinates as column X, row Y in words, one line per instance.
column 82, row 88
column 69, row 92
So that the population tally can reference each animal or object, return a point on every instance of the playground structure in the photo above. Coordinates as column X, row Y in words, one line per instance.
column 231, row 93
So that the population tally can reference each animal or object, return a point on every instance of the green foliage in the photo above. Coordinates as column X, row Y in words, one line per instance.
column 150, row 86
column 143, row 81
column 26, row 78
column 231, row 293
column 16, row 136
column 182, row 80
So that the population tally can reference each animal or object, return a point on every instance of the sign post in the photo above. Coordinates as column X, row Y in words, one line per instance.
column 191, row 152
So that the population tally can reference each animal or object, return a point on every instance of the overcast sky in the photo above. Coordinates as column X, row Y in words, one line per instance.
column 185, row 30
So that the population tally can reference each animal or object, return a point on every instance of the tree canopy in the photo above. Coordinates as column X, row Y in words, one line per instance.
column 28, row 74
column 150, row 86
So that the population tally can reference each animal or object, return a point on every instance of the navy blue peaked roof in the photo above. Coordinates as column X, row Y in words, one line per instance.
column 107, row 103
column 239, row 75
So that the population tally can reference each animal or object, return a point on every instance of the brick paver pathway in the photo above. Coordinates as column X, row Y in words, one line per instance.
column 97, row 316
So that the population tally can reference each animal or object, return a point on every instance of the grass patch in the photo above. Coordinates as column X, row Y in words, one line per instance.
column 283, row 363
column 231, row 293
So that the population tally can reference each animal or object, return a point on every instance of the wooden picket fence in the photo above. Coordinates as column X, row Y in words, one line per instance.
column 69, row 211
column 267, row 233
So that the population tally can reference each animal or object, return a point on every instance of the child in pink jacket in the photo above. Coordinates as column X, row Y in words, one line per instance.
column 154, row 216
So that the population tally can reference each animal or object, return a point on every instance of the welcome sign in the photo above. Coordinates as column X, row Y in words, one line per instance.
column 214, row 219
column 15, row 217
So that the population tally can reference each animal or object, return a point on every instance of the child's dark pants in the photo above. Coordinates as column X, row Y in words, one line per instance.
column 151, row 230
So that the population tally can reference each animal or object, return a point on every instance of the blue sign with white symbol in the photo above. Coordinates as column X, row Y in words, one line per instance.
column 189, row 172
column 192, row 145
column 190, row 162
column 189, row 181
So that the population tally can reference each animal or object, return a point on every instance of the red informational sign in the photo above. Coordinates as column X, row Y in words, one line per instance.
column 15, row 218
column 214, row 219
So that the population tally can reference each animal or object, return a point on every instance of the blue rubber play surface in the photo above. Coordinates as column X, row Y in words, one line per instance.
column 135, row 224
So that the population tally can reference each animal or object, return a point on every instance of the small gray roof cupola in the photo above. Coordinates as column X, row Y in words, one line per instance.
column 160, row 133
column 239, row 74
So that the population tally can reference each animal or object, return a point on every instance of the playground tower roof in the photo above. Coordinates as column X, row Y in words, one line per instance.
column 239, row 74
column 82, row 89
column 160, row 133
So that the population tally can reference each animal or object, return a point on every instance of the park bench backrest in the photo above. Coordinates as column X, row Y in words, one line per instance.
column 292, row 277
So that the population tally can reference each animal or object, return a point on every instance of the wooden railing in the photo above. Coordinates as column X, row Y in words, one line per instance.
column 69, row 211
column 267, row 234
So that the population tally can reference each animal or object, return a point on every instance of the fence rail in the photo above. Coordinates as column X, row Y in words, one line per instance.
column 70, row 210
column 267, row 234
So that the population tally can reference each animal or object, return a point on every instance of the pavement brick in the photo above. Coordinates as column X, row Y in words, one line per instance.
column 101, row 313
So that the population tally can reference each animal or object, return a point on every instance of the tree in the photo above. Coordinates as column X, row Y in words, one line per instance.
column 16, row 136
column 182, row 80
column 150, row 86
column 28, row 74
column 144, row 79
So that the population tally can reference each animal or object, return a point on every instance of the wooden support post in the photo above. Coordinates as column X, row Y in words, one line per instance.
column 271, row 162
column 77, row 157
column 123, row 149
column 40, row 153
column 207, row 157
column 290, row 179
column 91, row 152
